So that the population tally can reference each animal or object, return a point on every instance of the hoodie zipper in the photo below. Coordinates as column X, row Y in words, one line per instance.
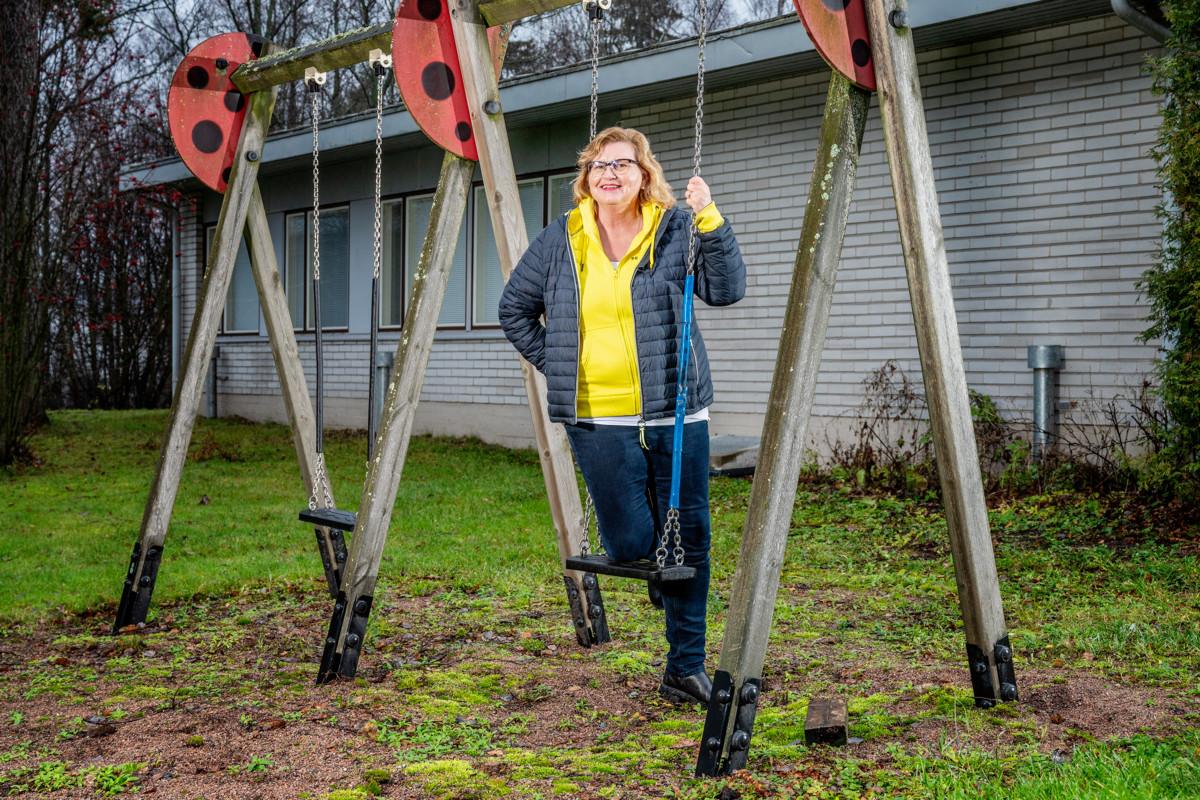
column 658, row 234
column 578, row 320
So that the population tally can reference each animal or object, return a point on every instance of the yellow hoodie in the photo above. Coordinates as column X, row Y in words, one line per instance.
column 609, row 385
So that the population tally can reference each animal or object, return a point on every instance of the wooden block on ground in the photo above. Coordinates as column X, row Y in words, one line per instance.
column 826, row 722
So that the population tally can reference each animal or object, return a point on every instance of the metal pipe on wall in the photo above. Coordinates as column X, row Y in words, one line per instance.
column 1045, row 360
column 382, row 377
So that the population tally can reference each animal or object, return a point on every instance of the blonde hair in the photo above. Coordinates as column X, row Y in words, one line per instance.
column 654, row 185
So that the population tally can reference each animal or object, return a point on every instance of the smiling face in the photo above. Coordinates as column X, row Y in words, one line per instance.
column 610, row 188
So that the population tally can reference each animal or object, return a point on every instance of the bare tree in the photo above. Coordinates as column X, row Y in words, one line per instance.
column 65, row 62
column 561, row 38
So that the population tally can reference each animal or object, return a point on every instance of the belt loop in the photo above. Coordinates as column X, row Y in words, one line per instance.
column 642, row 434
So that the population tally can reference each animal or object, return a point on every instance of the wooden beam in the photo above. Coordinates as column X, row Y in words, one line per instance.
column 508, row 226
column 205, row 324
column 781, row 453
column 932, row 299
column 827, row 721
column 497, row 12
column 361, row 572
column 341, row 50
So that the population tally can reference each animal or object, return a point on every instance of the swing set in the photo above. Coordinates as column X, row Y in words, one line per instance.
column 446, row 57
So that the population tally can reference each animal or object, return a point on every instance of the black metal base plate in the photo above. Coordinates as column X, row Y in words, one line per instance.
column 135, row 597
column 644, row 570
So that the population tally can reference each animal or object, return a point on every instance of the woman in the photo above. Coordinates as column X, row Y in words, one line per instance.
column 608, row 277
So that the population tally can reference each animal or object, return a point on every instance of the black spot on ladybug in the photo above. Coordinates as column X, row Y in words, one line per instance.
column 197, row 77
column 207, row 136
column 463, row 131
column 430, row 9
column 222, row 65
column 437, row 80
column 225, row 173
column 235, row 101
column 836, row 5
column 861, row 52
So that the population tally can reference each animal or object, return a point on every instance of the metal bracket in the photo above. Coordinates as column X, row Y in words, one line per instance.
column 596, row 8
column 591, row 590
column 355, row 634
column 715, row 724
column 314, row 79
column 330, row 658
column 582, row 634
column 333, row 566
column 1005, row 673
column 743, row 725
column 721, row 705
column 138, row 589
column 380, row 61
column 981, row 677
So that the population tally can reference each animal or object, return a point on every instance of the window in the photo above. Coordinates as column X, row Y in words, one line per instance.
column 489, row 281
column 561, row 195
column 241, row 303
column 335, row 268
column 454, row 305
column 391, row 274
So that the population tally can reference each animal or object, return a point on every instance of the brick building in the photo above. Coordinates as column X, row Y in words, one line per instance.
column 1040, row 117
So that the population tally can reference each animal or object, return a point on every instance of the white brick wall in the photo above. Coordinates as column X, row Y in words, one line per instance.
column 1040, row 143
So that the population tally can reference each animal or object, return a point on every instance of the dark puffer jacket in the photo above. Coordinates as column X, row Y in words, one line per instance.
column 545, row 282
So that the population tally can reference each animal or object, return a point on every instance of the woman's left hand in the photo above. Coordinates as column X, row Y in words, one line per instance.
column 698, row 195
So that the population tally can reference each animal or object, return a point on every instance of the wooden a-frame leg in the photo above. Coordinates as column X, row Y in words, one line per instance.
column 508, row 226
column 147, row 551
column 730, row 719
column 348, row 623
column 989, row 653
column 292, row 383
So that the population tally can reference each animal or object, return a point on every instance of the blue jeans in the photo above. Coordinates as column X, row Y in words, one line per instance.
column 623, row 477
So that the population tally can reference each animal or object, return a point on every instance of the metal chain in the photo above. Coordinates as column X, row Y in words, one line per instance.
column 378, row 253
column 703, row 7
column 321, row 484
column 671, row 526
column 316, row 174
column 320, row 489
column 585, row 547
column 595, row 35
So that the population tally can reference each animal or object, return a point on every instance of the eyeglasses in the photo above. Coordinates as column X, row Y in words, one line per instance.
column 619, row 166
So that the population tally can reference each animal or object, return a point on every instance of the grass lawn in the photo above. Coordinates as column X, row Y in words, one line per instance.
column 471, row 685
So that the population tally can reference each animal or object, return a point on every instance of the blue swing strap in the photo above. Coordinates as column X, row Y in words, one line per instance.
column 671, row 533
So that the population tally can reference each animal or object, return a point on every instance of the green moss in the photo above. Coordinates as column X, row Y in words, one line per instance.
column 456, row 778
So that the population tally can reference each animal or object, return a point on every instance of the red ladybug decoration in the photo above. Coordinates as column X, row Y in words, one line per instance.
column 425, row 63
column 205, row 110
column 838, row 29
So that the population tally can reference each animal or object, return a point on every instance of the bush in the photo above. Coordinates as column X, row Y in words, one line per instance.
column 1172, row 285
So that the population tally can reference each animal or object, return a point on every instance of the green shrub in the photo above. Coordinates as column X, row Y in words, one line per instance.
column 1172, row 285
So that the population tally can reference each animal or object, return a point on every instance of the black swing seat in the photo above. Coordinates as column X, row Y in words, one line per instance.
column 330, row 518
column 642, row 570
